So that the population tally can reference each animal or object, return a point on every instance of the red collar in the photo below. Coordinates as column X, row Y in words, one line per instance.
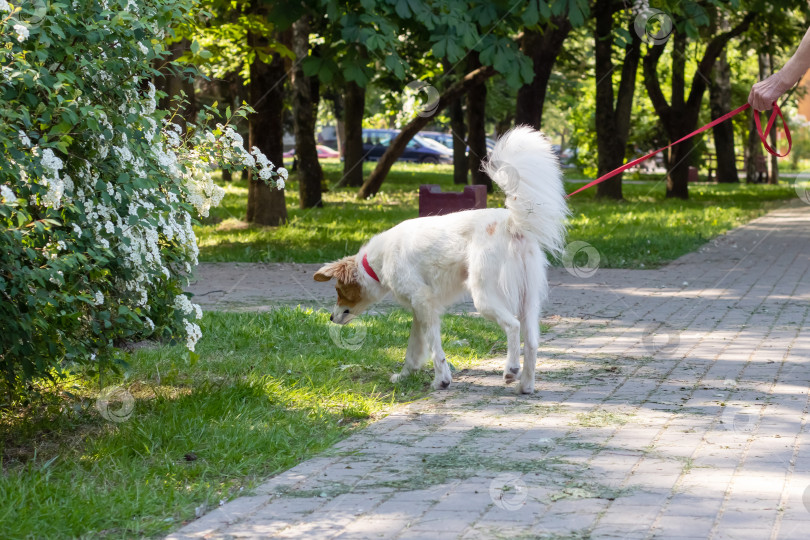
column 368, row 269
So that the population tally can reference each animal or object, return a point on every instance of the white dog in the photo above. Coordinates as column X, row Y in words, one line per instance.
column 497, row 254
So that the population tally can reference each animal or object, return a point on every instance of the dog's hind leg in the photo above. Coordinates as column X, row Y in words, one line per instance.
column 533, row 298
column 417, row 350
column 531, row 339
column 495, row 309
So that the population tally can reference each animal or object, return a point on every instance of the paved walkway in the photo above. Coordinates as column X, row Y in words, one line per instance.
column 670, row 403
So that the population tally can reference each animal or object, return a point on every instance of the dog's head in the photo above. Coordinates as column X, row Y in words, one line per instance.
column 353, row 299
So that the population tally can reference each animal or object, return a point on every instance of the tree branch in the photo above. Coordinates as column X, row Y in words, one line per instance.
column 397, row 146
column 624, row 98
column 652, row 83
column 713, row 50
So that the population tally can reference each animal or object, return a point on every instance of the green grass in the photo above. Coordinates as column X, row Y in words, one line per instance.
column 268, row 391
column 645, row 230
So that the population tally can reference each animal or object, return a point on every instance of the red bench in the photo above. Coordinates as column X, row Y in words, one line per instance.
column 432, row 202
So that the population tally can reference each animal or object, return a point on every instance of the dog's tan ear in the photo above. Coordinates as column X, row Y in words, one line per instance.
column 344, row 270
column 326, row 272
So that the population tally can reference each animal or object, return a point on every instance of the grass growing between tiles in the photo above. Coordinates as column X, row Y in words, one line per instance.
column 267, row 391
column 645, row 230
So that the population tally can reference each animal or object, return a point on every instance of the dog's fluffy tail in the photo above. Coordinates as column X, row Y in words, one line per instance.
column 526, row 169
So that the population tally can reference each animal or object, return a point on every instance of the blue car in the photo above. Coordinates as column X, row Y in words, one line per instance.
column 418, row 150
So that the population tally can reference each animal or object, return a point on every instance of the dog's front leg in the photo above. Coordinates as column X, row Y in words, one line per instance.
column 442, row 376
column 417, row 350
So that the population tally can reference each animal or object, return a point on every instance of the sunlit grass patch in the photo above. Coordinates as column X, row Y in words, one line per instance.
column 267, row 391
column 646, row 229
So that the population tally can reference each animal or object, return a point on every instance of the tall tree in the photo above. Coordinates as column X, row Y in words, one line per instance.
column 177, row 84
column 354, row 110
column 266, row 204
column 679, row 115
column 542, row 46
column 245, row 37
column 305, row 104
column 459, row 130
column 754, row 160
column 720, row 104
column 613, row 115
column 773, row 171
column 476, row 134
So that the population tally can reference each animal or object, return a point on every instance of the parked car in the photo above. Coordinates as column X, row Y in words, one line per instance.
column 323, row 152
column 418, row 150
column 447, row 139
column 566, row 157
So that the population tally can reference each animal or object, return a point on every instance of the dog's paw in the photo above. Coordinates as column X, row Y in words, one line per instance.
column 511, row 374
column 440, row 384
column 525, row 387
column 396, row 377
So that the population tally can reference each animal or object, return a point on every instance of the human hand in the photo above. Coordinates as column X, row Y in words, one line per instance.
column 764, row 93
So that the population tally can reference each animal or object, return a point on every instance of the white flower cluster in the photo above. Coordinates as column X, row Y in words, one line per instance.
column 203, row 193
column 193, row 334
column 56, row 185
column 4, row 7
column 7, row 195
column 21, row 31
column 185, row 305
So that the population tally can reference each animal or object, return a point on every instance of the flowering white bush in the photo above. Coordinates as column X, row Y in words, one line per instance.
column 98, row 188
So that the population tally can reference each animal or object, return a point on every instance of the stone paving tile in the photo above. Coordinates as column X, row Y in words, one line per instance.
column 670, row 403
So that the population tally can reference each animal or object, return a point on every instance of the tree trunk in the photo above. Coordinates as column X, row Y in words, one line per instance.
column 459, row 131
column 678, row 169
column 542, row 47
column 720, row 101
column 680, row 116
column 266, row 205
column 175, row 84
column 354, row 107
column 476, row 134
column 753, row 151
column 340, row 130
column 397, row 146
column 773, row 177
column 679, row 158
column 612, row 121
column 305, row 100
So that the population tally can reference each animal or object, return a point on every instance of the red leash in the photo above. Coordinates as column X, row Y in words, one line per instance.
column 762, row 135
